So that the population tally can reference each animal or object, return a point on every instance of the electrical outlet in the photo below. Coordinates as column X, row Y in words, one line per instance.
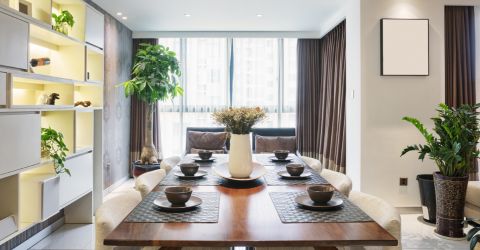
column 403, row 181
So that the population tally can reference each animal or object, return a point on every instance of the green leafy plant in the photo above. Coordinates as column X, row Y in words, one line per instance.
column 53, row 146
column 473, row 234
column 239, row 120
column 154, row 78
column 62, row 19
column 454, row 145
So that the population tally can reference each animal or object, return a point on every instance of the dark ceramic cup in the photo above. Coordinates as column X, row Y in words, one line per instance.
column 320, row 193
column 178, row 195
column 281, row 154
column 189, row 169
column 204, row 154
column 295, row 169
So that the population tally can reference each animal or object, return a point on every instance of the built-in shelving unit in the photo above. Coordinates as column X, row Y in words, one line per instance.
column 30, row 189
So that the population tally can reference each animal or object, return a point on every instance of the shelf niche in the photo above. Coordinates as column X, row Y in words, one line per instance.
column 30, row 93
column 37, row 9
column 77, row 8
column 95, row 65
column 83, row 131
column 89, row 92
column 62, row 121
column 67, row 56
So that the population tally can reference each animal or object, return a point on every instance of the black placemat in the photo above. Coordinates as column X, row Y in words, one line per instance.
column 290, row 212
column 211, row 179
column 207, row 212
column 266, row 159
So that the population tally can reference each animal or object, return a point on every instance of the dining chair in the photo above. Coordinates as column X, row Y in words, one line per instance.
column 271, row 133
column 148, row 181
column 170, row 162
column 340, row 181
column 111, row 213
column 313, row 163
column 472, row 200
column 381, row 212
column 209, row 138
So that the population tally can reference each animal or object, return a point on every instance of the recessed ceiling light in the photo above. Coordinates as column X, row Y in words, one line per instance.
column 119, row 13
column 187, row 15
column 124, row 18
column 259, row 15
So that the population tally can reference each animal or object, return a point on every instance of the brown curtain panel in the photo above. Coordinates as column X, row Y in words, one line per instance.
column 321, row 99
column 460, row 59
column 137, row 119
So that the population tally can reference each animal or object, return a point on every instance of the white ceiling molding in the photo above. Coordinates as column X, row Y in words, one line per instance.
column 235, row 34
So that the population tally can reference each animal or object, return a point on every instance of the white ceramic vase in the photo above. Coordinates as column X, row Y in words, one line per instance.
column 240, row 156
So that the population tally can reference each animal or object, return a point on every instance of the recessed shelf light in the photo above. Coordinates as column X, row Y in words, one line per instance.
column 124, row 18
column 119, row 13
column 187, row 15
column 259, row 15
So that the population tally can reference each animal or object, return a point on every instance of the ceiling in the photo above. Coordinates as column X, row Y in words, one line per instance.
column 222, row 15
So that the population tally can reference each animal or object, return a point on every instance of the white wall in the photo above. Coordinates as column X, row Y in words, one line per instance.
column 376, row 104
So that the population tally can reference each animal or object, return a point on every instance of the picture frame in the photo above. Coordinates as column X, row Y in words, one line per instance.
column 25, row 7
column 404, row 45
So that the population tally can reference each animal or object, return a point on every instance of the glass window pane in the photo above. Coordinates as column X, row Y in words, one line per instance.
column 170, row 132
column 173, row 44
column 290, row 74
column 288, row 120
column 206, row 74
column 255, row 64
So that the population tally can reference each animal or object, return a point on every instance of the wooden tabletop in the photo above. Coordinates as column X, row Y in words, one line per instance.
column 247, row 217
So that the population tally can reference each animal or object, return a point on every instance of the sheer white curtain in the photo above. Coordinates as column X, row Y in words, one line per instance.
column 223, row 72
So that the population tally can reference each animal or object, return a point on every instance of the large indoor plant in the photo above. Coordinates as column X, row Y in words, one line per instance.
column 62, row 21
column 154, row 78
column 453, row 148
column 53, row 147
column 239, row 122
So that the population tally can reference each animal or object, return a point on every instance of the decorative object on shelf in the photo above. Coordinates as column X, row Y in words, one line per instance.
column 53, row 147
column 25, row 7
column 51, row 99
column 40, row 61
column 62, row 21
column 83, row 103
column 473, row 235
column 155, row 74
column 454, row 150
column 239, row 122
column 404, row 47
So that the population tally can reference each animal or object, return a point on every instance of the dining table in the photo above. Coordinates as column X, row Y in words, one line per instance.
column 260, row 213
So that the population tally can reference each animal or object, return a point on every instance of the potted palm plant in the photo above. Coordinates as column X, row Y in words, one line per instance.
column 155, row 78
column 453, row 148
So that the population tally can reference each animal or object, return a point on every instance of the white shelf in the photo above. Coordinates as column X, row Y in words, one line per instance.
column 43, row 107
column 50, row 36
column 41, row 79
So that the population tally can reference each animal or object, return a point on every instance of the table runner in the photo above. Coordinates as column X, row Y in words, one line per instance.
column 145, row 212
column 289, row 212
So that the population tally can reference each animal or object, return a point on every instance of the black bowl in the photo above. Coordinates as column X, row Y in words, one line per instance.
column 320, row 193
column 189, row 169
column 204, row 154
column 178, row 195
column 295, row 169
column 281, row 154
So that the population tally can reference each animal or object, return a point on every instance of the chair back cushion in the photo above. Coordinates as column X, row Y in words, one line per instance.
column 111, row 213
column 206, row 138
column 149, row 180
column 271, row 132
column 268, row 144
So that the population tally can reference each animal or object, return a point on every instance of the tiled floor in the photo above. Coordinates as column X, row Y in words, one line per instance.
column 415, row 235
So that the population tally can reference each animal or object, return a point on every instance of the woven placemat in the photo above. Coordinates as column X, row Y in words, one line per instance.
column 265, row 159
column 207, row 212
column 290, row 212
column 211, row 179
column 273, row 179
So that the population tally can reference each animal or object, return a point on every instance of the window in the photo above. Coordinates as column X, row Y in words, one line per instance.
column 223, row 72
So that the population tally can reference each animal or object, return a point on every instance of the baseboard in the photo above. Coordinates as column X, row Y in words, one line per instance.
column 41, row 235
column 115, row 185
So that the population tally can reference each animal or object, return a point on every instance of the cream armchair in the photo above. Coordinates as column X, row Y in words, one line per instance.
column 170, row 162
column 149, row 180
column 472, row 201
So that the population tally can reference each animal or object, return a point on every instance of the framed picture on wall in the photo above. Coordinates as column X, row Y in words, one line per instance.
column 404, row 47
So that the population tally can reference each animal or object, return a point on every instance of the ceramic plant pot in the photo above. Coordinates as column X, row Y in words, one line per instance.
column 240, row 156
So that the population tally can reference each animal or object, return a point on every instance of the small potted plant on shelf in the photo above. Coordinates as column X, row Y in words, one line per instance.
column 62, row 21
column 239, row 122
column 453, row 148
column 53, row 147
column 155, row 74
